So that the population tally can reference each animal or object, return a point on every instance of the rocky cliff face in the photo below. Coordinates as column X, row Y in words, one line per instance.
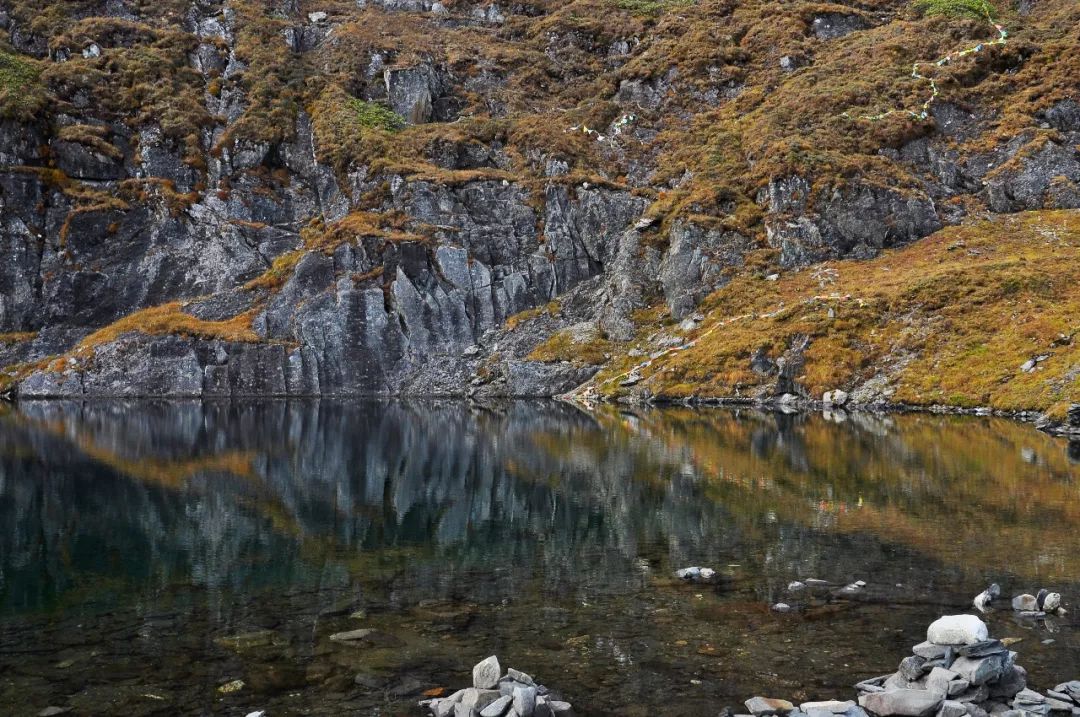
column 342, row 198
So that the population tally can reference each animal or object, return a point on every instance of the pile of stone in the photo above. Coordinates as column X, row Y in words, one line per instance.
column 494, row 694
column 959, row 671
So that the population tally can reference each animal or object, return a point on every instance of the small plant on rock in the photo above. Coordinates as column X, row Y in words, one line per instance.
column 973, row 9
column 373, row 115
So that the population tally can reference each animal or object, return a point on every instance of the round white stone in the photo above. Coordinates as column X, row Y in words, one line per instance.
column 957, row 630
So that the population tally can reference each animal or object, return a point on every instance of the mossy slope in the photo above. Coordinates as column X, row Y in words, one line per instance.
column 952, row 319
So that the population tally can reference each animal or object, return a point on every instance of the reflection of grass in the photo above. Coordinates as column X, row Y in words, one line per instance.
column 943, row 486
column 171, row 473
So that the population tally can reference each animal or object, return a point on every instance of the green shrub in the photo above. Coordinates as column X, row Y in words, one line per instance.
column 651, row 7
column 22, row 96
column 974, row 9
column 373, row 115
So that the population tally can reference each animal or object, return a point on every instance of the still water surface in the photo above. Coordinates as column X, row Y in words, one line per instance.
column 152, row 552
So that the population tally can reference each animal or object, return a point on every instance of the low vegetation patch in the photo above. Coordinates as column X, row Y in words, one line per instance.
column 652, row 7
column 977, row 315
column 974, row 9
column 566, row 345
column 170, row 319
column 22, row 95
column 372, row 115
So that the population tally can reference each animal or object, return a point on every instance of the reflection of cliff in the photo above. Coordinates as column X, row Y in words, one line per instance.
column 476, row 502
column 964, row 491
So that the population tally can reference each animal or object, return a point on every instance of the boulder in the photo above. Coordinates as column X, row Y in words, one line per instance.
column 957, row 630
column 835, row 397
column 486, row 673
column 1025, row 603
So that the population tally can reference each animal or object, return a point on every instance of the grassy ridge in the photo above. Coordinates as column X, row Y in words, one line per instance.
column 948, row 320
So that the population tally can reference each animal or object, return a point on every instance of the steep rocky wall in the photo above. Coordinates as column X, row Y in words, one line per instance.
column 401, row 197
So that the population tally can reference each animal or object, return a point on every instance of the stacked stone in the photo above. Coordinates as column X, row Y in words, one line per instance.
column 960, row 671
column 494, row 694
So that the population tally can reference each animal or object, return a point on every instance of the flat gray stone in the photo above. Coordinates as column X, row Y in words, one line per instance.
column 979, row 670
column 524, row 700
column 902, row 703
column 947, row 683
column 977, row 694
column 836, row 707
column 761, row 706
column 560, row 708
column 952, row 708
column 930, row 651
column 497, row 708
column 519, row 676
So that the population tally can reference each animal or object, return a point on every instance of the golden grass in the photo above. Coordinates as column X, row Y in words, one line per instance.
column 17, row 337
column 950, row 319
column 564, row 346
column 170, row 319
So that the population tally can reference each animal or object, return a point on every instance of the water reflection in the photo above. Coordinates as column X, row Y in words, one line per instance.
column 152, row 530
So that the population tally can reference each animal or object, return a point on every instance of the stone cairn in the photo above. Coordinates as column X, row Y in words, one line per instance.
column 960, row 671
column 494, row 694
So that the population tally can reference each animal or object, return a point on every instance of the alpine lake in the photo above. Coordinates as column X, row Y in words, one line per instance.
column 190, row 558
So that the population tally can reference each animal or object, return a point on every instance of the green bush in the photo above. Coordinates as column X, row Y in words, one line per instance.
column 373, row 115
column 651, row 7
column 974, row 9
column 22, row 96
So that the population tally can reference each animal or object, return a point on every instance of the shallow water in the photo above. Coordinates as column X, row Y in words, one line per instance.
column 152, row 552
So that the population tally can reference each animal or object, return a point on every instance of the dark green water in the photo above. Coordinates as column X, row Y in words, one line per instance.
column 152, row 552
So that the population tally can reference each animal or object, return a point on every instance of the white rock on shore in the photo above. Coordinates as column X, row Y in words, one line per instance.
column 957, row 630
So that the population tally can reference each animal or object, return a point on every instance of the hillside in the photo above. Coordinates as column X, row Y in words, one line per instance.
column 461, row 198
